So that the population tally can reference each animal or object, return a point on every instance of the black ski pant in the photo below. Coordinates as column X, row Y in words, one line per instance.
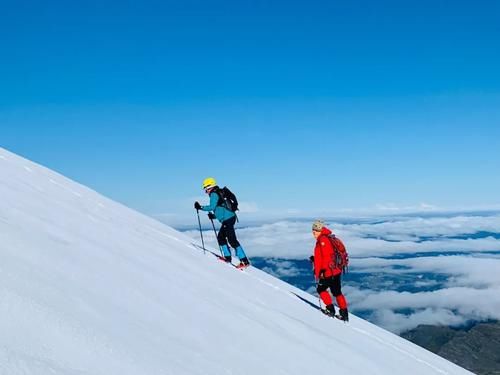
column 331, row 282
column 227, row 233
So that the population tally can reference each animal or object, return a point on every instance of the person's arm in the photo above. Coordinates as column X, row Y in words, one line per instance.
column 214, row 198
column 322, row 255
column 317, row 261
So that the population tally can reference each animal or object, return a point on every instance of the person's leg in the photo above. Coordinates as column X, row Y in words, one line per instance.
column 233, row 241
column 221, row 239
column 324, row 295
column 337, row 293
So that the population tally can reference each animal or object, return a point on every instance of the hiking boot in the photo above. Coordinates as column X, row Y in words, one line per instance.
column 344, row 315
column 330, row 309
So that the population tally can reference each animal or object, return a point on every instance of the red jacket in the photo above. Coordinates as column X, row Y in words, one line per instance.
column 323, row 256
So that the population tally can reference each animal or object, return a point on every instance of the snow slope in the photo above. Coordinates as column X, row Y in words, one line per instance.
column 88, row 286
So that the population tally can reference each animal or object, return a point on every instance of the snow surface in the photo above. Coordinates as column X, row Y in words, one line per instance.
column 89, row 286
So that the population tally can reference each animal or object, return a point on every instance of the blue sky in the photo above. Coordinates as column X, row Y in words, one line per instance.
column 296, row 106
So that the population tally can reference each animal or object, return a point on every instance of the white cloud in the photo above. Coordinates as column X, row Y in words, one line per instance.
column 470, row 300
column 471, row 288
column 257, row 212
column 293, row 239
column 412, row 227
column 282, row 269
column 392, row 207
column 451, row 306
column 398, row 323
column 283, row 239
column 248, row 207
column 471, row 293
column 362, row 247
column 462, row 271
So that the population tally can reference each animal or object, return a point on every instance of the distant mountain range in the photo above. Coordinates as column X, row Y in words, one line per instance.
column 476, row 348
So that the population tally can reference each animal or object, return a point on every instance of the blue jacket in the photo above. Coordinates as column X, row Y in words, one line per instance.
column 221, row 213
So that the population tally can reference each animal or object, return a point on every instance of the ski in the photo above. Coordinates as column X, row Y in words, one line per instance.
column 240, row 266
column 222, row 259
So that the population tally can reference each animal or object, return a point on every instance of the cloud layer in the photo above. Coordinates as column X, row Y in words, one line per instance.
column 406, row 270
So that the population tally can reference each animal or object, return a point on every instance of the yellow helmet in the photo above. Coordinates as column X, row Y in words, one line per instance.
column 209, row 182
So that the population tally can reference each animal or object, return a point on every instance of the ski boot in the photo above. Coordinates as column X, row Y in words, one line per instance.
column 344, row 315
column 244, row 263
column 330, row 310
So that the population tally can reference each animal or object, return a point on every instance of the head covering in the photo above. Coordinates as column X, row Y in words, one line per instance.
column 209, row 183
column 318, row 225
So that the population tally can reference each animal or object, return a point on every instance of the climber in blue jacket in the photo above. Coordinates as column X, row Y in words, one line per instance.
column 220, row 210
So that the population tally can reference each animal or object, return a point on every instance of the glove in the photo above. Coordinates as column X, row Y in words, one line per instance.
column 211, row 215
column 321, row 274
column 197, row 206
column 311, row 258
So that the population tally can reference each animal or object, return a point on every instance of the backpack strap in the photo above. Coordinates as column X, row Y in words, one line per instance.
column 216, row 190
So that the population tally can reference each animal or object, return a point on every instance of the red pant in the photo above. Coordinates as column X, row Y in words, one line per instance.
column 334, row 284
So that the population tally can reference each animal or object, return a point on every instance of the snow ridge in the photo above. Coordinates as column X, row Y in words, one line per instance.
column 89, row 286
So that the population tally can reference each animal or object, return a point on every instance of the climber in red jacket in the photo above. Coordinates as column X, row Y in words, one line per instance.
column 326, row 272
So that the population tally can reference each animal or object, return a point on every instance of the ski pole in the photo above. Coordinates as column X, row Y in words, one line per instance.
column 316, row 281
column 215, row 232
column 319, row 298
column 201, row 233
